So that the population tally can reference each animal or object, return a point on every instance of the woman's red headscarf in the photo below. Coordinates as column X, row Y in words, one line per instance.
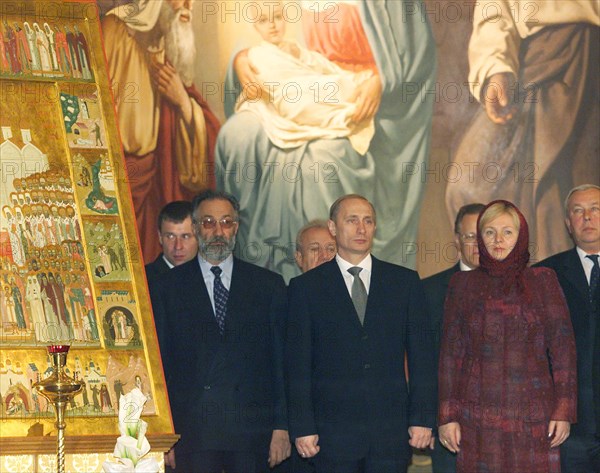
column 511, row 268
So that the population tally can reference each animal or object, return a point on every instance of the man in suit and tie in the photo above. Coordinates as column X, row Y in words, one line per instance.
column 220, row 323
column 578, row 273
column 351, row 323
column 177, row 239
column 436, row 286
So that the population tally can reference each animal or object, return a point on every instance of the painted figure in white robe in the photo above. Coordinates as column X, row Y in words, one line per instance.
column 43, row 47
column 33, row 295
column 304, row 96
column 52, row 46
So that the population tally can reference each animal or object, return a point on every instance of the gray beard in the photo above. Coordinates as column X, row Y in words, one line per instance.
column 216, row 254
column 180, row 46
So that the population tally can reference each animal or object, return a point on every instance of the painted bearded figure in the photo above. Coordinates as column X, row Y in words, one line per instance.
column 167, row 130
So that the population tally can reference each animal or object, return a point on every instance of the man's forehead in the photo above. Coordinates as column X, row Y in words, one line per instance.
column 469, row 220
column 317, row 235
column 591, row 196
column 177, row 222
column 172, row 225
column 358, row 207
column 215, row 207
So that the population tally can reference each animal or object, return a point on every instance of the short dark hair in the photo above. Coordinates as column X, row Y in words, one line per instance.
column 215, row 195
column 469, row 209
column 176, row 212
column 335, row 207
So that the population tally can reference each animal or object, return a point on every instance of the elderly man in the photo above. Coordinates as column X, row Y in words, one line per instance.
column 167, row 130
column 436, row 286
column 314, row 245
column 351, row 323
column 578, row 274
column 222, row 350
column 176, row 237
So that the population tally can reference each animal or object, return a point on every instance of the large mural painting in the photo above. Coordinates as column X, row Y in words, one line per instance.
column 420, row 106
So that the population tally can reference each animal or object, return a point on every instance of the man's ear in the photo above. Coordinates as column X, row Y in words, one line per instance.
column 331, row 227
column 298, row 258
column 457, row 243
column 568, row 225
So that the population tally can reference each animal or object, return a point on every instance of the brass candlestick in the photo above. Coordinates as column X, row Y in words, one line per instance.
column 59, row 389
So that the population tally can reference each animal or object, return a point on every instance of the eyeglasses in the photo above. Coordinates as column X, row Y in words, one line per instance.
column 468, row 237
column 208, row 223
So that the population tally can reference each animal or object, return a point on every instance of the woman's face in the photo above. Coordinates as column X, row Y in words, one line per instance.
column 500, row 236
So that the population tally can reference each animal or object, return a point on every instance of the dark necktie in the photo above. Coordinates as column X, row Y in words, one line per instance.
column 220, row 294
column 359, row 293
column 595, row 276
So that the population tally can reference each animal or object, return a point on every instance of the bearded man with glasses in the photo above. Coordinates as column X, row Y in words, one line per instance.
column 220, row 325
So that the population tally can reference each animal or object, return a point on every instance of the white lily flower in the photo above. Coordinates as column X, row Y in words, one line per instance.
column 132, row 445
column 130, row 410
column 127, row 447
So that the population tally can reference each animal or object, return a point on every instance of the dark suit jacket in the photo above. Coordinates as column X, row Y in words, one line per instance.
column 571, row 277
column 596, row 382
column 155, row 269
column 226, row 391
column 435, row 288
column 347, row 381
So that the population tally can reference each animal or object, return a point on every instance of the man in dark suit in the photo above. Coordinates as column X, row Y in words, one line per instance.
column 314, row 245
column 179, row 245
column 352, row 321
column 177, row 239
column 577, row 271
column 220, row 324
column 436, row 286
column 595, row 454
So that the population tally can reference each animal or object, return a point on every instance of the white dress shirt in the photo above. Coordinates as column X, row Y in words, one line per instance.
column 365, row 275
column 463, row 266
column 209, row 278
column 587, row 263
column 171, row 266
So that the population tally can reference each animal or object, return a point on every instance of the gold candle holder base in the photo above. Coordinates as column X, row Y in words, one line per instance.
column 59, row 389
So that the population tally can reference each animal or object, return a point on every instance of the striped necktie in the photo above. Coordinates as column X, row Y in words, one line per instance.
column 221, row 294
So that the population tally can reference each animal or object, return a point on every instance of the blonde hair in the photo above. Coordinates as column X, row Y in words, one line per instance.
column 494, row 211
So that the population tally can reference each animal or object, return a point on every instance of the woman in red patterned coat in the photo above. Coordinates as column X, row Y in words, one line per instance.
column 507, row 376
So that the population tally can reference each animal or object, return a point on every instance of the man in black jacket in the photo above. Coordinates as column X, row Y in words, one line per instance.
column 578, row 273
column 352, row 322
column 220, row 322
